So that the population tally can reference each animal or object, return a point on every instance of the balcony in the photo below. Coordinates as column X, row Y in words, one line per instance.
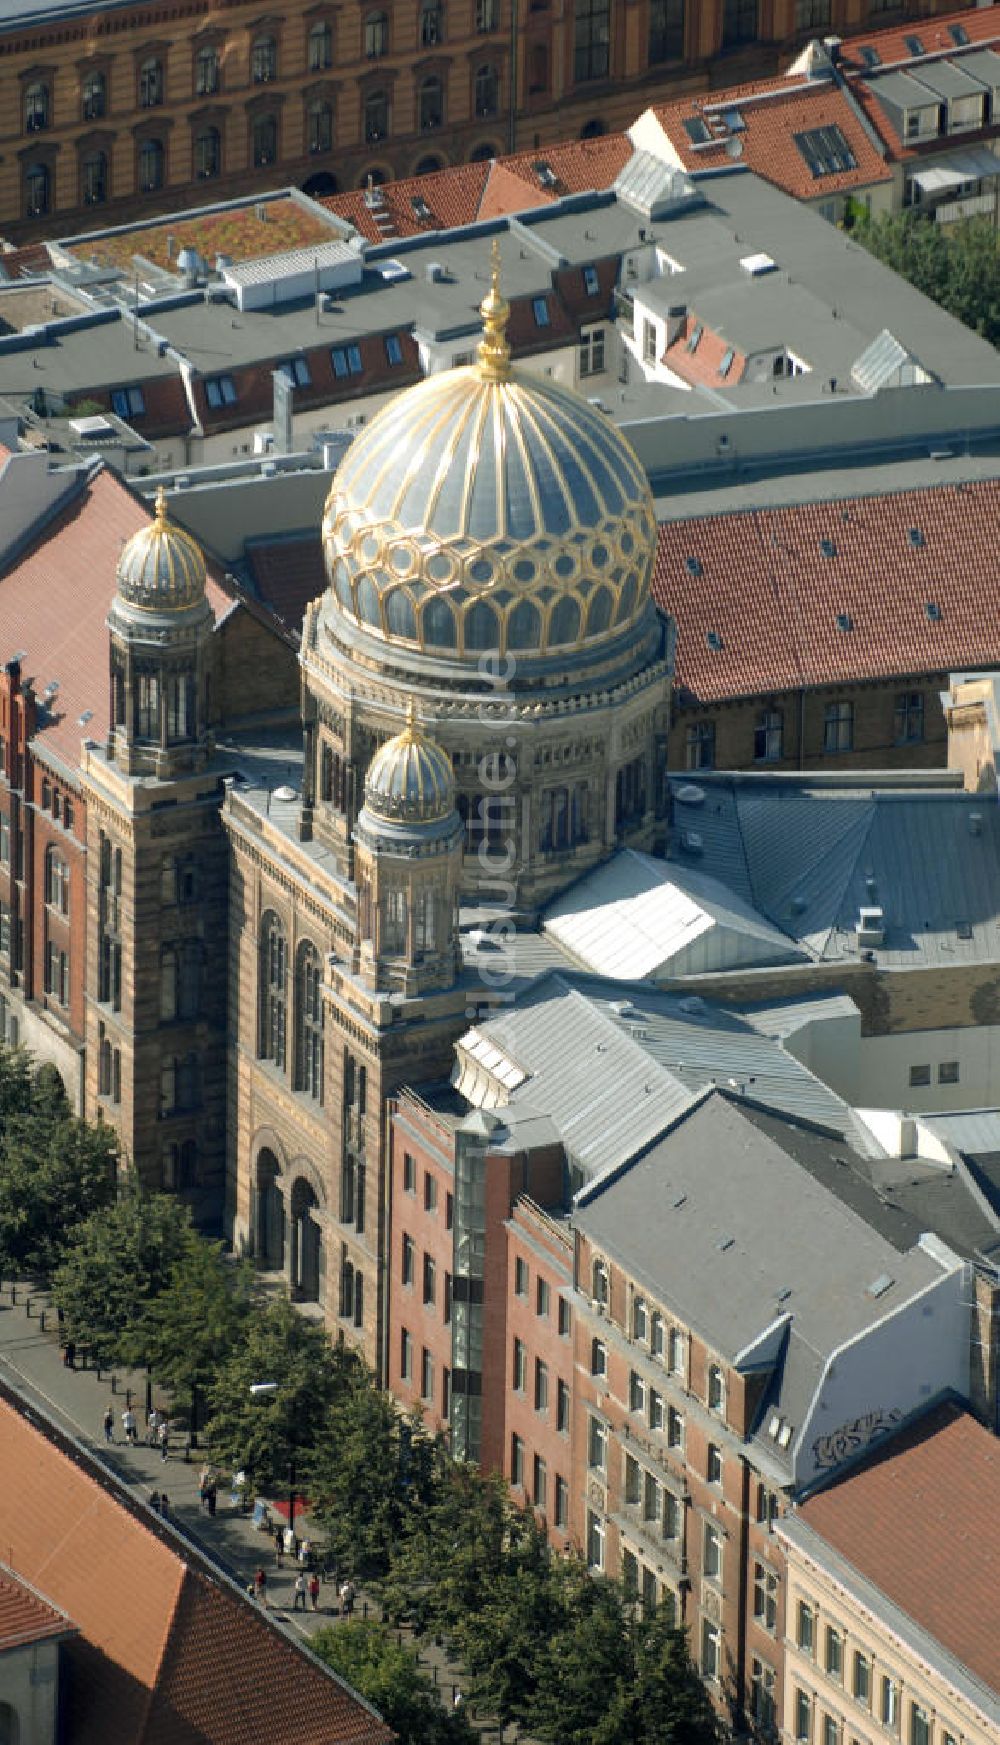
column 973, row 206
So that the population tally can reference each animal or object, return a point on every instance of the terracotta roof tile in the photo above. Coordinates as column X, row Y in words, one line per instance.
column 980, row 25
column 168, row 1654
column 704, row 364
column 578, row 165
column 55, row 599
column 771, row 585
column 921, row 1520
column 773, row 112
column 25, row 1616
column 288, row 574
column 452, row 195
column 506, row 191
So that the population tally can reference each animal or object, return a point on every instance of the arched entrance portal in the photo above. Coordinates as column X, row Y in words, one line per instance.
column 320, row 185
column 306, row 1243
column 270, row 1214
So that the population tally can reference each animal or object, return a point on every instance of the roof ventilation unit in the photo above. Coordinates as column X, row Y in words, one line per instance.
column 871, row 926
column 693, row 841
column 689, row 795
column 756, row 265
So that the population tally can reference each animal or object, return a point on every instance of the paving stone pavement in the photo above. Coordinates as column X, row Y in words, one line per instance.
column 77, row 1399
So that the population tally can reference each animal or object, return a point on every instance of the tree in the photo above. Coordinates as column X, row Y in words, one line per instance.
column 116, row 1262
column 958, row 265
column 54, row 1172
column 583, row 1659
column 451, row 1552
column 368, row 1656
column 660, row 1699
column 198, row 1319
column 267, row 1436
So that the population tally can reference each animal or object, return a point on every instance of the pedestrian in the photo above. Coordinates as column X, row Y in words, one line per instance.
column 128, row 1424
column 109, row 1425
column 304, row 1553
column 154, row 1502
column 458, row 1699
column 300, row 1592
column 164, row 1504
column 211, row 1498
column 314, row 1590
column 69, row 1354
column 260, row 1584
column 290, row 1541
column 279, row 1546
column 347, row 1597
column 164, row 1435
column 153, row 1427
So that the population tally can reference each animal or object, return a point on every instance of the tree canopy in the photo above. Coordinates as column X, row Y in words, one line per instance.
column 368, row 1656
column 957, row 265
column 116, row 1263
column 54, row 1169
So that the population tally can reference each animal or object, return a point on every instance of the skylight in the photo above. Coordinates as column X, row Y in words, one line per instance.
column 825, row 151
column 695, row 336
column 870, row 56
column 914, row 46
column 421, row 208
column 727, row 361
column 916, row 538
column 828, row 548
column 696, row 130
column 959, row 35
column 693, row 566
column 545, row 173
column 845, row 622
column 734, row 121
column 714, row 641
column 933, row 611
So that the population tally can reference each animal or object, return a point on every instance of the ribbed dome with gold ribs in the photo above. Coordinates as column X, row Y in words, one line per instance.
column 161, row 567
column 409, row 780
column 485, row 509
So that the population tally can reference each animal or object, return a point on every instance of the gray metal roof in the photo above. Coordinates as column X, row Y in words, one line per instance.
column 809, row 857
column 719, row 1221
column 983, row 64
column 901, row 91
column 614, row 1064
column 947, row 79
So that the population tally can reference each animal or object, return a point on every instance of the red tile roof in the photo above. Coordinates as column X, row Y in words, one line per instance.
column 761, row 582
column 921, row 1520
column 773, row 112
column 288, row 574
column 168, row 1653
column 981, row 26
column 704, row 364
column 25, row 1616
column 54, row 603
column 452, row 195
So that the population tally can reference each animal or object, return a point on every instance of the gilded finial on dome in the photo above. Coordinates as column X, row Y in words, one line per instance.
column 161, row 506
column 494, row 351
column 410, row 730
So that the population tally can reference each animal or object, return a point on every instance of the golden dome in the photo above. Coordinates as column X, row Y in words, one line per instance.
column 161, row 567
column 486, row 509
column 410, row 780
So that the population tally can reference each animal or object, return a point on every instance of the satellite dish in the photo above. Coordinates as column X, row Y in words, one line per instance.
column 734, row 147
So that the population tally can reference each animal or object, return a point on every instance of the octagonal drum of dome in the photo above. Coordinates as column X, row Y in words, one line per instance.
column 490, row 510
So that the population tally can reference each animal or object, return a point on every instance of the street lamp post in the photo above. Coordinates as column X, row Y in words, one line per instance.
column 267, row 1390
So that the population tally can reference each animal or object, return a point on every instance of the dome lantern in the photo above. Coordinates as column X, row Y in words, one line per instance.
column 410, row 780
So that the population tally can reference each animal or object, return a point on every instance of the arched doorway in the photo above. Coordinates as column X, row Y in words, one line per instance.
column 306, row 1243
column 321, row 185
column 270, row 1214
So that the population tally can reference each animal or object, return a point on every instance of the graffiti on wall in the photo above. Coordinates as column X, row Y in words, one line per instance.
column 829, row 1451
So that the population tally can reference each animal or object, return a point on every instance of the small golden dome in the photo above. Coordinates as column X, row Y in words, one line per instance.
column 410, row 780
column 161, row 568
column 487, row 509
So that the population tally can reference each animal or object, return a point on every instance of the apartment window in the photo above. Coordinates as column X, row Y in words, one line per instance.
column 700, row 745
column 264, row 60
column 208, row 154
column 95, row 179
column 430, row 104
column 520, row 1276
column 711, row 1556
column 542, row 1298
column 666, row 31
column 296, row 371
column 562, row 1407
column 597, row 1444
column 346, row 361
column 446, row 1314
column 649, row 341
column 591, row 40
column 803, row 1716
column 716, row 1392
column 516, row 1460
column 739, row 22
column 838, row 727
column 487, row 16
column 636, row 1393
column 598, row 1358
column 264, row 141
column 520, row 1367
column 487, row 91
column 920, row 1725
column 540, row 310
column 541, row 1386
column 805, row 1634
column 601, row 1284
column 206, row 72
column 591, row 282
column 713, row 1465
column 376, row 35
column 430, row 1280
column 640, row 1319
column 430, row 1192
column 920, row 1075
column 150, row 84
column 57, row 974
column 831, row 1732
column 320, row 126
column 449, row 1211
column 320, row 47
column 94, row 96
column 655, row 1410
column 405, row 1356
column 656, row 1335
column 633, row 1481
column 4, row 941
column 445, row 1394
column 562, row 1503
column 220, row 391
column 762, row 1706
column 861, row 1682
column 909, row 718
column 768, row 736
column 393, row 350
column 675, row 1352
column 430, row 26
column 595, row 1541
column 889, row 1704
column 565, row 1320
column 539, row 1482
column 711, row 1650
column 948, row 1072
column 812, row 14
column 56, row 882
column 408, row 1260
column 592, row 354
column 36, row 108
column 834, row 1659
column 409, row 1174
column 765, row 1597
column 37, row 190
column 426, row 1376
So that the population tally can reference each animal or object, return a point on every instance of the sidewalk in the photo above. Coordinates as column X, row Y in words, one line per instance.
column 31, row 1360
